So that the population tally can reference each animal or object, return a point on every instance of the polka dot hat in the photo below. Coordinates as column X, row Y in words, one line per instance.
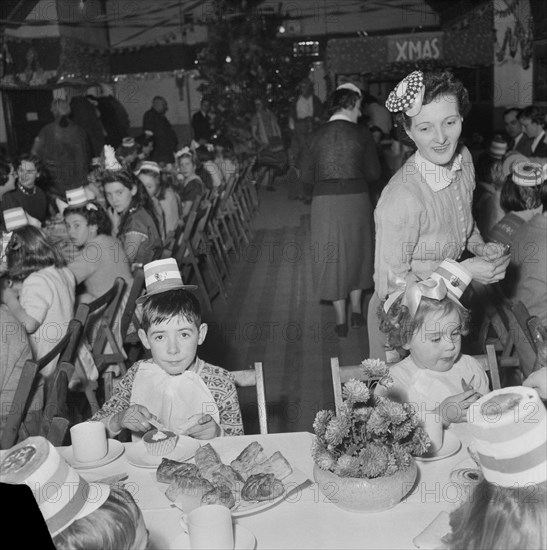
column 407, row 95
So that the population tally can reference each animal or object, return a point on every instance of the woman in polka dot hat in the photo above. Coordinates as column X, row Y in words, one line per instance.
column 424, row 214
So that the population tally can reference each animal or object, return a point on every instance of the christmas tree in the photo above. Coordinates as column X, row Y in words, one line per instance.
column 243, row 60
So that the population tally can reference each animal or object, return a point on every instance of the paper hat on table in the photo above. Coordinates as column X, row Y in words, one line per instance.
column 527, row 174
column 15, row 218
column 62, row 495
column 148, row 165
column 350, row 86
column 161, row 276
column 510, row 431
column 498, row 147
column 408, row 95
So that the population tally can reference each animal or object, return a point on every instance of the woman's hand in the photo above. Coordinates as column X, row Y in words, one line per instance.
column 454, row 408
column 200, row 426
column 134, row 418
column 490, row 251
column 487, row 271
column 114, row 218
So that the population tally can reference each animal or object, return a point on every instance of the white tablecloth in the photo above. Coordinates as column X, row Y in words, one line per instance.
column 306, row 519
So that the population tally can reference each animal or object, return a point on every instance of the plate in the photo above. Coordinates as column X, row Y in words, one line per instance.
column 184, row 450
column 243, row 540
column 224, row 447
column 115, row 450
column 451, row 445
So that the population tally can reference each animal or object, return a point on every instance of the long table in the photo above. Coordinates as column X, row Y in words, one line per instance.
column 306, row 519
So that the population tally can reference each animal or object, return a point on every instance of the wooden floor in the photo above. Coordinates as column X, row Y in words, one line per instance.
column 273, row 316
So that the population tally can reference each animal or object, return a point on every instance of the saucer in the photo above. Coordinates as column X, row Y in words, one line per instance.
column 115, row 450
column 243, row 540
column 451, row 445
column 184, row 450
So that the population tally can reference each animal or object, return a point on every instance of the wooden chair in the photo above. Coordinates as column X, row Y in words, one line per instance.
column 104, row 311
column 53, row 422
column 340, row 375
column 254, row 376
column 523, row 317
column 502, row 328
column 129, row 318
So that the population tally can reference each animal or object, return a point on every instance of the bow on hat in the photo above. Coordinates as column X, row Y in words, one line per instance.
column 414, row 292
column 110, row 161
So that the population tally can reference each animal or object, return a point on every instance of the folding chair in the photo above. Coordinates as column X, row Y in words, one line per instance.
column 99, row 319
column 129, row 318
column 509, row 337
column 254, row 376
column 53, row 422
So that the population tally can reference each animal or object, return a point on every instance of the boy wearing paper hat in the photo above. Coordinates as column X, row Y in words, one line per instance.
column 187, row 395
column 78, row 514
column 508, row 508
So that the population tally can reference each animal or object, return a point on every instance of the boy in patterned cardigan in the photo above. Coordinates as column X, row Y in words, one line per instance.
column 187, row 395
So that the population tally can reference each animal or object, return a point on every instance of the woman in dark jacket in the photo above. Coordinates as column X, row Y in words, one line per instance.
column 340, row 163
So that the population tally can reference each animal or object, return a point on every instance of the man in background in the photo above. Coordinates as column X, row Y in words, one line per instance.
column 518, row 140
column 201, row 123
column 165, row 138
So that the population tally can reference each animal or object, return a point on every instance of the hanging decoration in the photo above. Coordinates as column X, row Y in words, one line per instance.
column 517, row 34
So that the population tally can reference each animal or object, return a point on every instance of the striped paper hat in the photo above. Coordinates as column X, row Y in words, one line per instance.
column 76, row 197
column 161, row 276
column 455, row 277
column 498, row 147
column 527, row 174
column 510, row 431
column 14, row 218
column 62, row 495
column 148, row 165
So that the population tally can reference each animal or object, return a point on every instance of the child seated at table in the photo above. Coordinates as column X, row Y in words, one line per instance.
column 427, row 319
column 186, row 394
column 131, row 212
column 166, row 200
column 191, row 187
column 99, row 258
column 78, row 514
column 40, row 289
column 508, row 508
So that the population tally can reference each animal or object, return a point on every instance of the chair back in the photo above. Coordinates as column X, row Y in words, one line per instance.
column 490, row 363
column 128, row 315
column 53, row 421
column 255, row 377
column 341, row 375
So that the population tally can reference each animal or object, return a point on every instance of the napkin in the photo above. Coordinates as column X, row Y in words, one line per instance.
column 431, row 537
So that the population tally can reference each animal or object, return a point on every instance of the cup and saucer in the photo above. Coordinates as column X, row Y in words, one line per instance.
column 451, row 444
column 444, row 443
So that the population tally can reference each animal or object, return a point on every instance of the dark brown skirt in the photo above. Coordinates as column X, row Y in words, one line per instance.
column 342, row 244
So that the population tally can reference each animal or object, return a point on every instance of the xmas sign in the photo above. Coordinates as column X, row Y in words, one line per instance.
column 415, row 47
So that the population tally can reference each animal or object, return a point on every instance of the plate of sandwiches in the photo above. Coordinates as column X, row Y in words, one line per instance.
column 250, row 483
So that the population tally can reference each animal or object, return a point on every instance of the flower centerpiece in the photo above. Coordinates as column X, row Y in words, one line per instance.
column 369, row 438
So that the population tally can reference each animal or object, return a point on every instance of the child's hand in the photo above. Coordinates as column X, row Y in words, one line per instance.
column 454, row 408
column 200, row 426
column 135, row 418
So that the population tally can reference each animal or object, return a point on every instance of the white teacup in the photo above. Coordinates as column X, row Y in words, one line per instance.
column 433, row 425
column 89, row 442
column 210, row 528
